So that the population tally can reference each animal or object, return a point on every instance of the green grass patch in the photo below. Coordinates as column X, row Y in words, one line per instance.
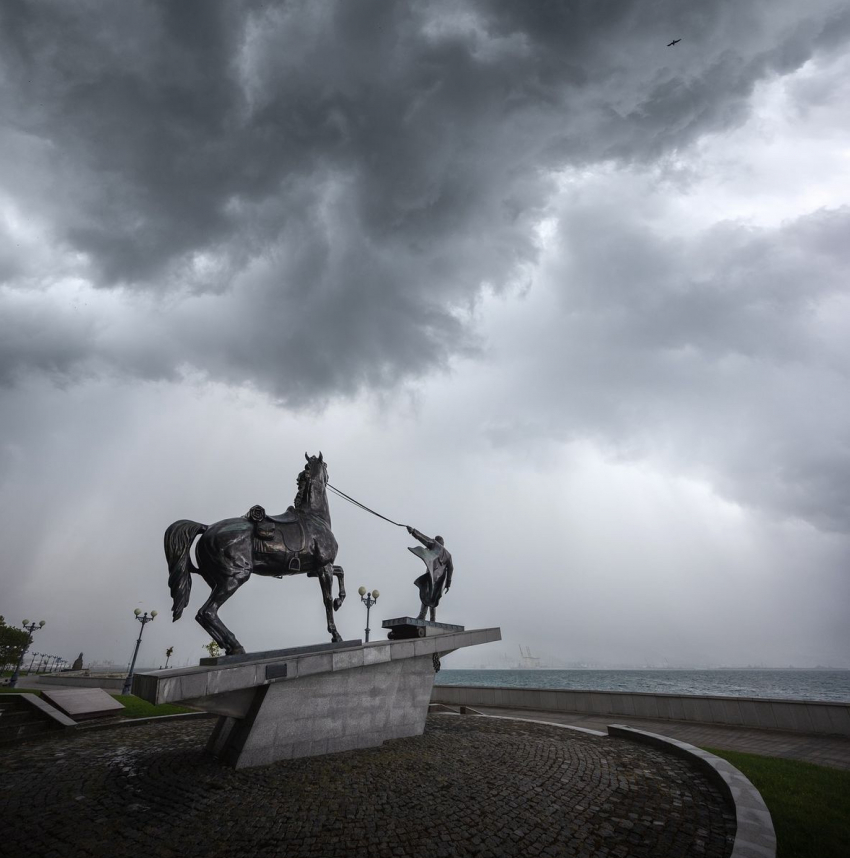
column 810, row 804
column 134, row 707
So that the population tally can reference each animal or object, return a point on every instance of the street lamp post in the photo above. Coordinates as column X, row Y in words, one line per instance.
column 368, row 599
column 144, row 619
column 29, row 627
column 34, row 654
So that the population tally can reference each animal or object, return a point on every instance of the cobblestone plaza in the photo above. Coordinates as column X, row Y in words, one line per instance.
column 468, row 786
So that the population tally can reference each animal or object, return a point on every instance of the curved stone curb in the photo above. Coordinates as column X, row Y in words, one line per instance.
column 755, row 837
column 440, row 709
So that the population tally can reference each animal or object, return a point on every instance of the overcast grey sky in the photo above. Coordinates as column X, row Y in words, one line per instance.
column 525, row 275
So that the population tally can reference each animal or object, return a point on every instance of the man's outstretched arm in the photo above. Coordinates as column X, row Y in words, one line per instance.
column 425, row 540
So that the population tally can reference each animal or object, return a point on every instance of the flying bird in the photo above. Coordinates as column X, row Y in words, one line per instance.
column 674, row 42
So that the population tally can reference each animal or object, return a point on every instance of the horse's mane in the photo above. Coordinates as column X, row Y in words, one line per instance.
column 303, row 483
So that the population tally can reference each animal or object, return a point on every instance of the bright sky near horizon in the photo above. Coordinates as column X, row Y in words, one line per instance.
column 526, row 276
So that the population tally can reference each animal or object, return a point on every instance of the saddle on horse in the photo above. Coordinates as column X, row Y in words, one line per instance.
column 278, row 534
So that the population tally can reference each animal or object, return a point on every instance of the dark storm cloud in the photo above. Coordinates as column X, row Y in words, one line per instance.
column 318, row 192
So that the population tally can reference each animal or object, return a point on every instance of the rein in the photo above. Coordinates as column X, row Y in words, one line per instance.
column 344, row 496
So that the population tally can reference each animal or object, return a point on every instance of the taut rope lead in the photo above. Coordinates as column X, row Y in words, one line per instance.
column 344, row 496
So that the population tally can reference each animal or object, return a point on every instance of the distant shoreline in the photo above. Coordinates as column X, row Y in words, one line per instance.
column 625, row 669
column 787, row 683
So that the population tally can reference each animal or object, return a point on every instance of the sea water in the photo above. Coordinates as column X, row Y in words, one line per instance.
column 826, row 685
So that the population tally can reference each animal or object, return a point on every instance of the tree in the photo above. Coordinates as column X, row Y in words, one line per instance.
column 12, row 643
column 212, row 648
column 168, row 653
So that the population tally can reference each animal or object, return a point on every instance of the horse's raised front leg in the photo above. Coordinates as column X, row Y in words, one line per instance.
column 326, row 582
column 208, row 614
column 340, row 580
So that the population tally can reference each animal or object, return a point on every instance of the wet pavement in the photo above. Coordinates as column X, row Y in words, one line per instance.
column 469, row 786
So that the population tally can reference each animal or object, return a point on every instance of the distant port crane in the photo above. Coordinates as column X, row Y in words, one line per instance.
column 527, row 660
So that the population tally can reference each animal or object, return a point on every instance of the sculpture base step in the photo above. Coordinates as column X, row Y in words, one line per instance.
column 275, row 653
column 405, row 628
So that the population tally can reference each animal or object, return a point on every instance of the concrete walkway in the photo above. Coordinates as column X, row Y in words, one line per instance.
column 823, row 750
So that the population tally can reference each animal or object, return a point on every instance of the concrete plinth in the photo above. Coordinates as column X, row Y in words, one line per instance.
column 310, row 701
column 403, row 628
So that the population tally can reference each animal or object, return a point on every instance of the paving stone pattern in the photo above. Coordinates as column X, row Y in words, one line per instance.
column 467, row 787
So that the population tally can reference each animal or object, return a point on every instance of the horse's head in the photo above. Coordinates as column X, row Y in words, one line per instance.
column 316, row 471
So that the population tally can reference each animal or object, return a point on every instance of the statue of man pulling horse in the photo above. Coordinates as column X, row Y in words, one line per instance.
column 298, row 542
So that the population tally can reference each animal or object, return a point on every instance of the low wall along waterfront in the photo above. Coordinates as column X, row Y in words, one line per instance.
column 796, row 716
column 108, row 683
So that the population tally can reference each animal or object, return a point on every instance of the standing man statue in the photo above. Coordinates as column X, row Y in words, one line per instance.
column 438, row 562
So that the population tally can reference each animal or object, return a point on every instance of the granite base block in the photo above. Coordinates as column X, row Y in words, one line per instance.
column 312, row 701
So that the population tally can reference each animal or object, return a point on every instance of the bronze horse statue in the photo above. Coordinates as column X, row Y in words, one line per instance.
column 299, row 541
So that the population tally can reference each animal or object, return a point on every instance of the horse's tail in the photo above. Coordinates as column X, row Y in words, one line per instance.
column 178, row 541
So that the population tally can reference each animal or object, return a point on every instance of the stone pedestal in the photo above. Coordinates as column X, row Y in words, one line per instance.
column 311, row 700
column 404, row 628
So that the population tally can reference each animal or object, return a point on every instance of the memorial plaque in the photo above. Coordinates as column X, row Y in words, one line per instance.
column 277, row 671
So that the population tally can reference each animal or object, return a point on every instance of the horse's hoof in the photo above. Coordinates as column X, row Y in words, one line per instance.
column 337, row 604
column 337, row 638
column 238, row 650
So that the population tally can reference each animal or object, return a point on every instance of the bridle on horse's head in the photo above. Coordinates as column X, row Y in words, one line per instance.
column 309, row 471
